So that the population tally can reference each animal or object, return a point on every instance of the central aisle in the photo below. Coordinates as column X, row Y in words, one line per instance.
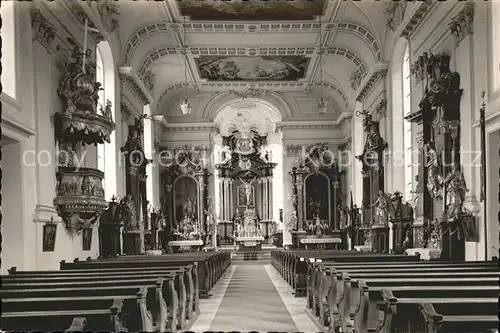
column 252, row 303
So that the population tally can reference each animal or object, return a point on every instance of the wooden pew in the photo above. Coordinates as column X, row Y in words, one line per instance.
column 182, row 301
column 322, row 286
column 211, row 265
column 57, row 314
column 451, row 313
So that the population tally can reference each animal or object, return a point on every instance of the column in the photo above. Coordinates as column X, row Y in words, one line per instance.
column 201, row 200
column 270, row 194
column 301, row 213
column 45, row 141
column 226, row 199
column 221, row 194
column 336, row 224
column 266, row 199
column 468, row 158
column 231, row 198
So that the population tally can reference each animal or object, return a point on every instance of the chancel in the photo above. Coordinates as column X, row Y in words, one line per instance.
column 291, row 166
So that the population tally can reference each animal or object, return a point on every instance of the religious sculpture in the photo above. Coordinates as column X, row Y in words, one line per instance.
column 188, row 208
column 248, row 192
column 226, row 154
column 433, row 165
column 292, row 221
column 129, row 212
column 382, row 205
column 344, row 216
column 455, row 192
column 316, row 228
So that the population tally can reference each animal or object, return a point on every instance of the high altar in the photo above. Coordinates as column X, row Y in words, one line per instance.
column 245, row 173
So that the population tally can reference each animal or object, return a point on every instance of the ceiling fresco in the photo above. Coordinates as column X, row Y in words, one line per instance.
column 252, row 10
column 252, row 68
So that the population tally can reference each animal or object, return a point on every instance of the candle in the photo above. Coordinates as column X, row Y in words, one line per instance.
column 85, row 47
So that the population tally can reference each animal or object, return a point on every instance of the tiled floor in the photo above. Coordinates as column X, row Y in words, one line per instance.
column 253, row 298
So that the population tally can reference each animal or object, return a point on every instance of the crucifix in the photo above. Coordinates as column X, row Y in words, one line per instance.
column 248, row 189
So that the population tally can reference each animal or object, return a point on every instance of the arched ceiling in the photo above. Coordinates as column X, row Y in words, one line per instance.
column 282, row 41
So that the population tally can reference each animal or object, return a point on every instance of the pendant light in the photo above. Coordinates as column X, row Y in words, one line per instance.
column 185, row 106
column 321, row 105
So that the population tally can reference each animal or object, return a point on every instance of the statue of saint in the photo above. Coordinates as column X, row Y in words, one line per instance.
column 455, row 191
column 433, row 167
column 382, row 207
column 318, row 227
column 129, row 212
column 343, row 216
column 188, row 208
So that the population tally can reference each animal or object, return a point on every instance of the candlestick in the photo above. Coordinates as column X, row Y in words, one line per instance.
column 85, row 46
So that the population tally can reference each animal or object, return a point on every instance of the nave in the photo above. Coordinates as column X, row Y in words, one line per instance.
column 298, row 290
column 266, row 165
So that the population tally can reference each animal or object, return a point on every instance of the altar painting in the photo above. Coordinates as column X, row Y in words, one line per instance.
column 252, row 10
column 186, row 198
column 317, row 197
column 246, row 195
column 252, row 68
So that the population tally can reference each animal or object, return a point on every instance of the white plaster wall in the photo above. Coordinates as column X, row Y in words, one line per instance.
column 12, row 215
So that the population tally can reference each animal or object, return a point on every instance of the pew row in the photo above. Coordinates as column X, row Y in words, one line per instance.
column 157, row 295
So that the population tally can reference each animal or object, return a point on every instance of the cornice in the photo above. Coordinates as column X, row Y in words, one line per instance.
column 410, row 25
column 378, row 72
column 43, row 31
column 462, row 23
column 189, row 127
column 128, row 76
column 318, row 124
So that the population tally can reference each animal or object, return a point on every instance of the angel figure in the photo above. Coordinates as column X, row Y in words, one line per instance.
column 225, row 155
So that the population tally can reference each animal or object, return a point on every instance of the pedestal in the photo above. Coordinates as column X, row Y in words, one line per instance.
column 297, row 236
column 380, row 239
column 132, row 242
column 109, row 240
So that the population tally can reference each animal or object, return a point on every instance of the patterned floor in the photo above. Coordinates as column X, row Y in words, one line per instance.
column 253, row 298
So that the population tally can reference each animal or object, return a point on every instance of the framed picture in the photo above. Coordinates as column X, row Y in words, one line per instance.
column 49, row 237
column 470, row 228
column 87, row 238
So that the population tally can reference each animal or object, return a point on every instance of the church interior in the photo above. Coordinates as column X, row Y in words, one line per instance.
column 291, row 166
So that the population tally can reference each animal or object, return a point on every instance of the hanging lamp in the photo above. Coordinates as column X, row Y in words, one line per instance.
column 185, row 106
column 321, row 105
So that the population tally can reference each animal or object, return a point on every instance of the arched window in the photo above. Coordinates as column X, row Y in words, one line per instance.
column 148, row 152
column 8, row 31
column 407, row 137
column 99, row 77
column 401, row 166
column 106, row 153
column 495, row 43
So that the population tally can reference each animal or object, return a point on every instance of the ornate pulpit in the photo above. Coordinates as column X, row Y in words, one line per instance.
column 79, row 192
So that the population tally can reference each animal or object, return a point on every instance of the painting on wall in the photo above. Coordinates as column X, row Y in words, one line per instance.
column 252, row 10
column 186, row 198
column 252, row 68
